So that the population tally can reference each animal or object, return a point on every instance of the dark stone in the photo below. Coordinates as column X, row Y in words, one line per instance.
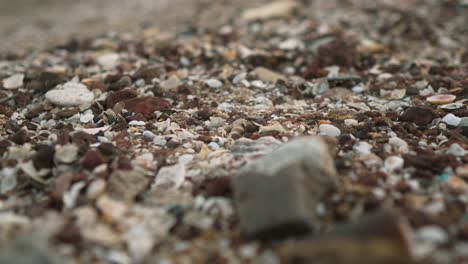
column 20, row 137
column 107, row 149
column 381, row 237
column 218, row 186
column 418, row 115
column 121, row 95
column 92, row 159
column 44, row 157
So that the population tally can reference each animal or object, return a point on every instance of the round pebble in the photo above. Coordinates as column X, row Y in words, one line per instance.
column 441, row 99
column 350, row 122
column 393, row 163
column 329, row 130
column 213, row 83
column 70, row 94
column 108, row 61
column 148, row 134
column 451, row 120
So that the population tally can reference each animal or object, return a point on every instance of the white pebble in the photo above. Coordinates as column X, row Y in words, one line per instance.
column 350, row 122
column 70, row 94
column 433, row 234
column 108, row 61
column 399, row 144
column 329, row 130
column 393, row 163
column 137, row 123
column 86, row 117
column 214, row 83
column 13, row 82
column 451, row 120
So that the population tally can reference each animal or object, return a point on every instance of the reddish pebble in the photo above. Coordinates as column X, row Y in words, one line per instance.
column 92, row 159
column 441, row 99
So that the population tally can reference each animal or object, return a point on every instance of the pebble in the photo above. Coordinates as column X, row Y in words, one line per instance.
column 393, row 163
column 329, row 130
column 70, row 94
column 66, row 153
column 214, row 83
column 277, row 9
column 171, row 83
column 137, row 123
column 451, row 120
column 13, row 82
column 457, row 150
column 170, row 177
column 441, row 99
column 108, row 61
column 432, row 234
column 418, row 115
column 399, row 144
column 267, row 75
column 350, row 122
column 87, row 117
column 464, row 126
column 126, row 185
column 148, row 134
column 277, row 194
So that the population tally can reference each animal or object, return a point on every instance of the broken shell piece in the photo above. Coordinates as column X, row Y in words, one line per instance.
column 441, row 99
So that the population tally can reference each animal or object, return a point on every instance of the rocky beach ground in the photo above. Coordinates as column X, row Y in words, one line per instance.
column 234, row 132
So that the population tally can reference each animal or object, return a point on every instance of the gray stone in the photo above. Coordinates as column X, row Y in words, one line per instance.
column 277, row 194
column 126, row 185
column 26, row 250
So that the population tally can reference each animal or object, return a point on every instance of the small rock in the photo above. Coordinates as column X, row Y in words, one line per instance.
column 350, row 122
column 418, row 115
column 399, row 144
column 108, row 61
column 451, row 120
column 137, row 123
column 432, row 234
column 170, row 176
column 267, row 75
column 393, row 163
column 214, row 83
column 44, row 157
column 457, row 150
column 66, row 153
column 119, row 96
column 277, row 194
column 86, row 117
column 171, row 83
column 70, row 94
column 464, row 126
column 329, row 130
column 13, row 82
column 92, row 159
column 111, row 209
column 148, row 135
column 278, row 9
column 441, row 99
column 126, row 185
column 95, row 189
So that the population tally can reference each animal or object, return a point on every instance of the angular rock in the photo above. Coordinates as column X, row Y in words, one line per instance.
column 277, row 194
column 126, row 185
column 120, row 95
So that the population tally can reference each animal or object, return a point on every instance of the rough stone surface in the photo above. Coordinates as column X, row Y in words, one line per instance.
column 277, row 194
column 70, row 94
